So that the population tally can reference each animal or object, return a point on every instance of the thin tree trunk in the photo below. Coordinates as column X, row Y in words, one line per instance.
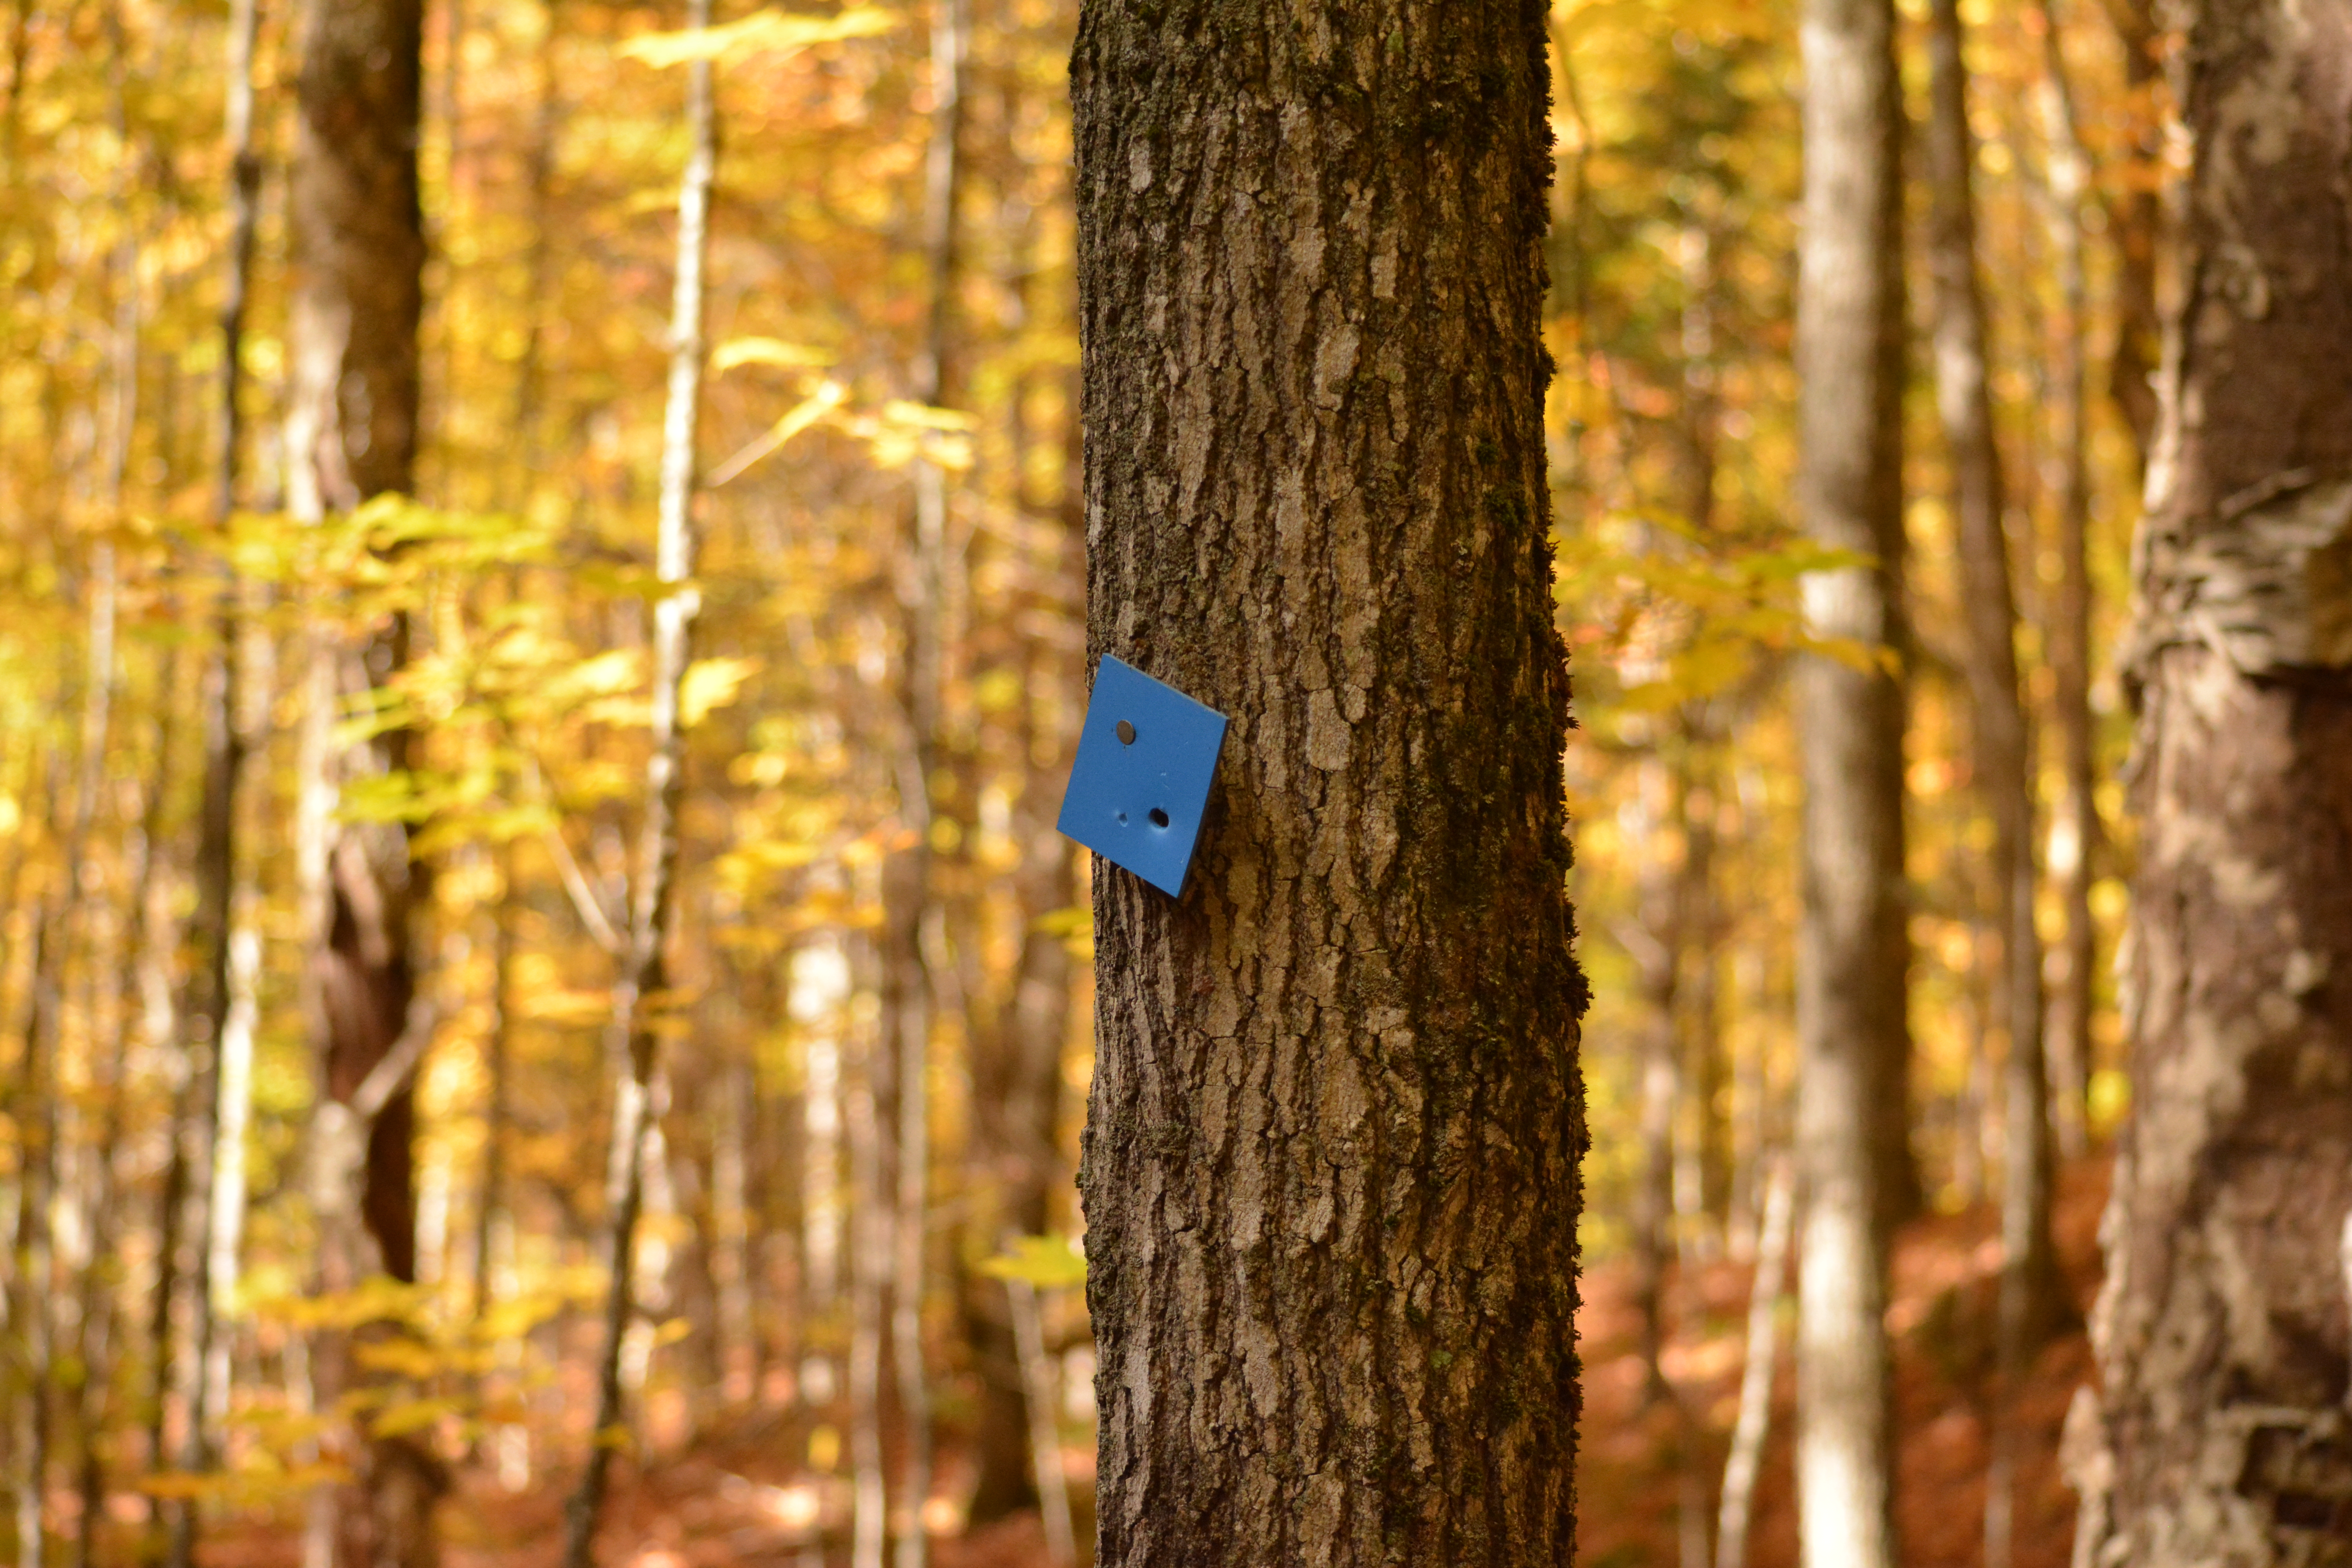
column 2221, row 1332
column 37, row 1092
column 911, row 981
column 350, row 435
column 2136, row 220
column 1016, row 1056
column 1853, row 948
column 1657, row 951
column 870, row 1276
column 1754, row 1420
column 2029, row 1277
column 1044, row 1437
column 819, row 997
column 1330, row 1169
column 2075, row 822
column 637, row 991
column 215, row 855
column 732, row 1119
column 101, row 1270
column 493, row 1219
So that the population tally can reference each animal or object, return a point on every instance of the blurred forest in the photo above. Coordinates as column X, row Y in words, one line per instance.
column 703, row 692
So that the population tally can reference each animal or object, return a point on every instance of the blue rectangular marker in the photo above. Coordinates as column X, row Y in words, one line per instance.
column 1141, row 784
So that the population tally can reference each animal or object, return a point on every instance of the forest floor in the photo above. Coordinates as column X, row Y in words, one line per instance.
column 1941, row 1312
column 740, row 1498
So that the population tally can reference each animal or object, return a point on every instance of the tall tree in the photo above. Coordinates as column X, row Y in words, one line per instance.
column 1853, row 955
column 213, row 1100
column 2066, row 621
column 2001, row 741
column 638, row 989
column 1330, row 1172
column 350, row 435
column 913, row 950
column 2221, row 1330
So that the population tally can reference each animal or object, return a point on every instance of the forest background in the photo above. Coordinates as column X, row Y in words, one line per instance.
column 853, row 1309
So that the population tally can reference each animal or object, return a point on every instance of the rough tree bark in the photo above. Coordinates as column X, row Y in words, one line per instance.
column 1853, row 947
column 2222, row 1432
column 1330, row 1173
column 350, row 434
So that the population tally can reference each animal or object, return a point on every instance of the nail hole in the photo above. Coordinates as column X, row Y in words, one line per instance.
column 1159, row 818
column 1122, row 819
column 1126, row 733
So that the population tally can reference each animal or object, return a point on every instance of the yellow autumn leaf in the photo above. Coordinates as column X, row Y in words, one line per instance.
column 771, row 32
column 767, row 350
column 712, row 684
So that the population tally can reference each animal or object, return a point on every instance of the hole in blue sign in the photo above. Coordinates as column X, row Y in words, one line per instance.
column 1126, row 733
column 1122, row 819
column 1159, row 818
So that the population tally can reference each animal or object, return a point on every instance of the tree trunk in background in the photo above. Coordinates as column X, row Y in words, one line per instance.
column 2221, row 1332
column 638, row 990
column 350, row 434
column 1016, row 1070
column 1657, row 962
column 1754, row 1421
column 913, row 951
column 29, row 1315
column 2074, row 823
column 1853, row 1039
column 2135, row 218
column 215, row 868
column 1330, row 1172
column 870, row 1214
column 2002, row 746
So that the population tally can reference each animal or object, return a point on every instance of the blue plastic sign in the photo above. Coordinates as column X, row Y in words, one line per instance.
column 1141, row 784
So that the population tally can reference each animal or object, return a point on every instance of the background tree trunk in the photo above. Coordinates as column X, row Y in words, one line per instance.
column 2221, row 1330
column 1853, row 949
column 2028, row 1295
column 2075, row 821
column 1330, row 1172
column 350, row 434
column 638, row 990
column 194, row 1149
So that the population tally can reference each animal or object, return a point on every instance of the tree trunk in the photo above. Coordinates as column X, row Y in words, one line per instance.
column 2221, row 1332
column 215, row 866
column 1330, row 1172
column 911, row 976
column 638, row 990
column 869, row 1280
column 1016, row 1071
column 2137, row 221
column 2075, row 823
column 1853, row 948
column 1657, row 964
column 1754, row 1420
column 2029, row 1276
column 350, row 435
column 30, row 1313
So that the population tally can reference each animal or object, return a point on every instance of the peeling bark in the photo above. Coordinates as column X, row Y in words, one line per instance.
column 1330, row 1172
column 2222, row 1432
